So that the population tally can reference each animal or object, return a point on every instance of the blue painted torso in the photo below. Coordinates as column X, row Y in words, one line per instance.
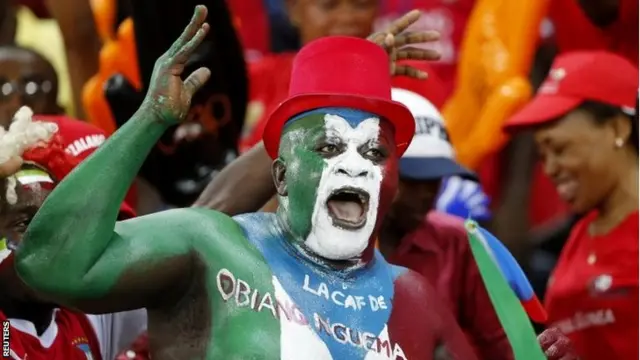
column 347, row 310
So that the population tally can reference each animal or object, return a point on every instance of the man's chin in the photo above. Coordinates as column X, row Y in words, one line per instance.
column 337, row 251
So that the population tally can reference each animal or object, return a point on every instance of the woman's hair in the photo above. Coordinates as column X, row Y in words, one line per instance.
column 602, row 113
column 23, row 134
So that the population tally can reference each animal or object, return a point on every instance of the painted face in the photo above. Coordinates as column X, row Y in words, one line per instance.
column 33, row 187
column 336, row 177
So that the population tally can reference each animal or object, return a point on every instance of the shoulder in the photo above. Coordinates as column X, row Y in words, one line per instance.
column 443, row 231
column 445, row 224
column 185, row 222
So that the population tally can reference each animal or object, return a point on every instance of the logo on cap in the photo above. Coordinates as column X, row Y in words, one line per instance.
column 557, row 74
column 550, row 86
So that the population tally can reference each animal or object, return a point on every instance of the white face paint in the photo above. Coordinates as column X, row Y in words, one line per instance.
column 349, row 169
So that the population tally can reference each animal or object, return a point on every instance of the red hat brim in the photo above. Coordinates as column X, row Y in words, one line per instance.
column 541, row 110
column 401, row 118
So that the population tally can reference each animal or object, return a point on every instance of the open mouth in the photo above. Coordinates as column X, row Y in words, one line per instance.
column 348, row 208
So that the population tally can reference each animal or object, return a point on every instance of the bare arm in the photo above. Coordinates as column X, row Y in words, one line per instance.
column 74, row 251
column 82, row 43
column 243, row 186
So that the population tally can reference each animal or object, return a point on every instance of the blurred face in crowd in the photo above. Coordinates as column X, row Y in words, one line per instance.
column 34, row 185
column 415, row 198
column 317, row 18
column 580, row 156
column 336, row 176
column 26, row 78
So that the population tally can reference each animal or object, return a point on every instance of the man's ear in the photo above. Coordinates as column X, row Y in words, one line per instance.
column 279, row 174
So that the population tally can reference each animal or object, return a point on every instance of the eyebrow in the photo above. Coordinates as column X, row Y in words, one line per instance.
column 24, row 208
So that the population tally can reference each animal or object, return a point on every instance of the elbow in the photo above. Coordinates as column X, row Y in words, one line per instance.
column 43, row 275
column 51, row 271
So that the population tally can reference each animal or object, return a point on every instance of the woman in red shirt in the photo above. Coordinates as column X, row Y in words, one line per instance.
column 586, row 130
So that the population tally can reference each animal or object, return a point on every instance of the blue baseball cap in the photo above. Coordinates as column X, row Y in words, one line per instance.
column 430, row 155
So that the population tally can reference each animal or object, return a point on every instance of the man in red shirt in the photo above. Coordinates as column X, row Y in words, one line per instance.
column 39, row 330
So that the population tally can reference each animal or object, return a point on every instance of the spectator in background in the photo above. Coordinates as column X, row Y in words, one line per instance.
column 596, row 25
column 588, row 141
column 26, row 78
column 40, row 329
column 269, row 78
column 431, row 242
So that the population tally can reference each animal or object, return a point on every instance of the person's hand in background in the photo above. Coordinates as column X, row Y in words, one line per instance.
column 464, row 198
column 556, row 345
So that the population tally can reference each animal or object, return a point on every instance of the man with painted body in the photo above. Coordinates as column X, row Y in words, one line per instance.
column 303, row 283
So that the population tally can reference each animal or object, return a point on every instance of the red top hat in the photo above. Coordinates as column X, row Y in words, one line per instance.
column 340, row 71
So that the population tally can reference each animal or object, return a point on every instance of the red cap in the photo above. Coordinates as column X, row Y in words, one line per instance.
column 576, row 77
column 79, row 140
column 340, row 71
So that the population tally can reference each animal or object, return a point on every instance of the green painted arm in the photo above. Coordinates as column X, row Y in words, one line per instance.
column 74, row 251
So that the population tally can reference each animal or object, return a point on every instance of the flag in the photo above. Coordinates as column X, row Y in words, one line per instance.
column 510, row 292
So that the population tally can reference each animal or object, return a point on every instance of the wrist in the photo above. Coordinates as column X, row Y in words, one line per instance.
column 150, row 110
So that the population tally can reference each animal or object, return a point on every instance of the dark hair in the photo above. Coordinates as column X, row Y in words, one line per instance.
column 48, row 65
column 602, row 113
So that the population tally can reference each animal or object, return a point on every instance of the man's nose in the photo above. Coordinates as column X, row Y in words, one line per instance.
column 354, row 173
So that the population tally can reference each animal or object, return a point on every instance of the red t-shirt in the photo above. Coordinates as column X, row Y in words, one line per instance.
column 449, row 17
column 69, row 337
column 439, row 250
column 574, row 31
column 593, row 292
column 269, row 80
column 252, row 24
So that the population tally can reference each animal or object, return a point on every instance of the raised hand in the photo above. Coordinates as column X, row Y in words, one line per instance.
column 463, row 198
column 169, row 96
column 396, row 41
column 556, row 345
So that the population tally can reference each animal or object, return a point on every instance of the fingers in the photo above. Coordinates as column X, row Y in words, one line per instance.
column 198, row 19
column 405, row 70
column 10, row 167
column 195, row 81
column 417, row 38
column 185, row 52
column 413, row 53
column 404, row 22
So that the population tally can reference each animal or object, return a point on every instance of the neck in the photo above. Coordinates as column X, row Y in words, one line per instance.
column 621, row 202
column 38, row 313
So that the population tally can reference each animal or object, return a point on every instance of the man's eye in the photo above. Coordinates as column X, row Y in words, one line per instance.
column 20, row 226
column 374, row 154
column 329, row 149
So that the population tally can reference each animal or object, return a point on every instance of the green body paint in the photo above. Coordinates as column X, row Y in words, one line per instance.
column 72, row 253
column 297, row 151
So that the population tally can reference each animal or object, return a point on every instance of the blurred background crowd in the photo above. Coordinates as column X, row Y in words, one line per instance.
column 92, row 59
